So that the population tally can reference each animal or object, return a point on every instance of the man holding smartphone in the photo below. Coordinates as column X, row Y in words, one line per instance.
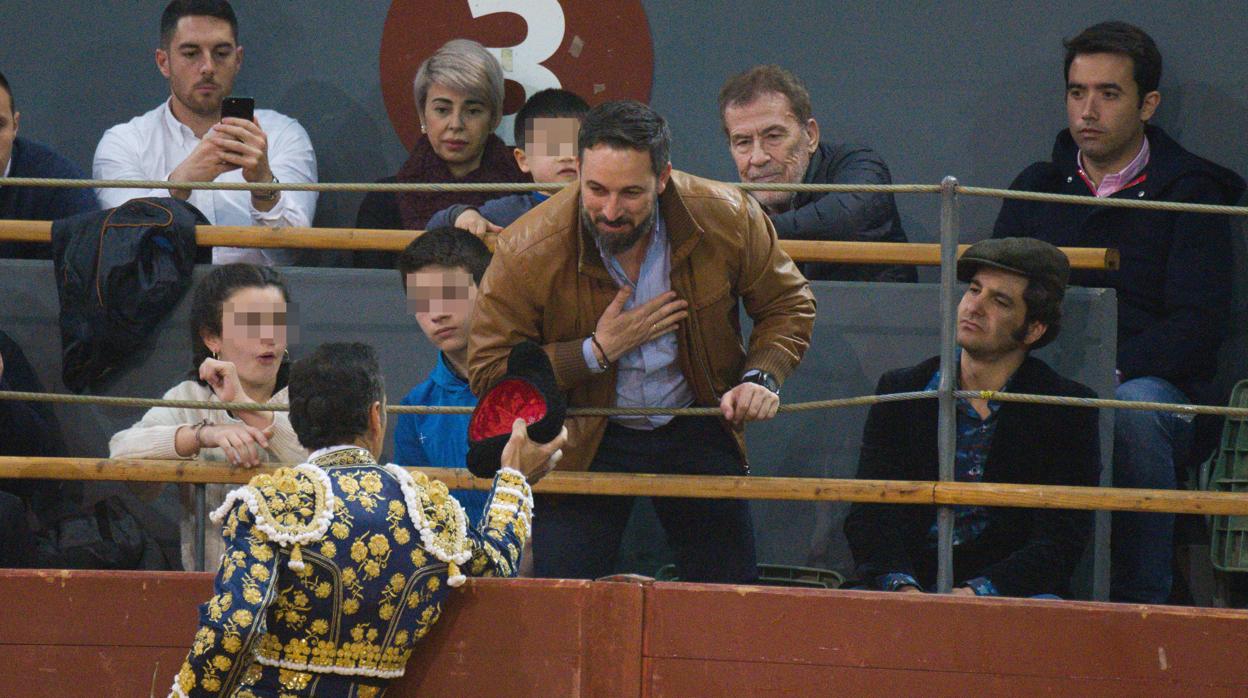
column 189, row 139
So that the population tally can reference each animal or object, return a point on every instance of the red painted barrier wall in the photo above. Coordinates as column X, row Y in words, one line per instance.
column 125, row 633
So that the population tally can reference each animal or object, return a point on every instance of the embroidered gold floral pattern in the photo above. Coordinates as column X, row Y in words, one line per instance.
column 255, row 579
column 294, row 680
column 289, row 499
column 390, row 596
column 252, row 676
column 292, row 607
column 365, row 490
column 219, row 605
column 443, row 516
column 345, row 456
column 351, row 585
column 369, row 589
column 396, row 517
column 344, row 520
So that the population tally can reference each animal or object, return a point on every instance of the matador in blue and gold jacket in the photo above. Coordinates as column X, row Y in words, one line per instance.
column 334, row 569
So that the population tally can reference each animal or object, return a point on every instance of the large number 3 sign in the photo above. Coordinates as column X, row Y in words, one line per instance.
column 523, row 62
column 601, row 51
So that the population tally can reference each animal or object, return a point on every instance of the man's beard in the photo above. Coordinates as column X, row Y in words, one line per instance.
column 999, row 348
column 615, row 243
column 207, row 107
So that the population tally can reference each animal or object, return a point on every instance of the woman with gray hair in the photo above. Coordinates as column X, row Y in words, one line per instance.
column 459, row 96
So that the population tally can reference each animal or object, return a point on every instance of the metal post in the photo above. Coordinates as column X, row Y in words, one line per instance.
column 946, row 436
column 201, row 505
column 1101, row 533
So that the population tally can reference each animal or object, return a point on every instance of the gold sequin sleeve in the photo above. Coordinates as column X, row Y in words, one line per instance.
column 229, row 622
column 497, row 544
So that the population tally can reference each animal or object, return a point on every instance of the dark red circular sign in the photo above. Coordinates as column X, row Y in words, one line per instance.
column 599, row 50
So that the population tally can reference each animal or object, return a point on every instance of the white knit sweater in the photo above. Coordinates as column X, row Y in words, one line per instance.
column 153, row 437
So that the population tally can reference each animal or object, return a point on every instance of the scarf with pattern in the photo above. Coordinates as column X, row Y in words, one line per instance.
column 417, row 207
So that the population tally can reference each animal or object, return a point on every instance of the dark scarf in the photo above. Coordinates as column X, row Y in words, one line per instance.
column 424, row 165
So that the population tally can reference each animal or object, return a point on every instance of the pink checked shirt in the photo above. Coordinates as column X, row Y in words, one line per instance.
column 1114, row 183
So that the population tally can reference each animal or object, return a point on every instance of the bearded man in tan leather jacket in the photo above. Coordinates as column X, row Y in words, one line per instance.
column 631, row 281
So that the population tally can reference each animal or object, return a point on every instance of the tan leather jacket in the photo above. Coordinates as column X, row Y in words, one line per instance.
column 547, row 283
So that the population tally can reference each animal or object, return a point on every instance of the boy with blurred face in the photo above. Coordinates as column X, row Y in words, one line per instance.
column 440, row 271
column 545, row 131
column 1174, row 285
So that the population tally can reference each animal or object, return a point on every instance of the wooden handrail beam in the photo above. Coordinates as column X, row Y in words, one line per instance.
column 713, row 487
column 919, row 254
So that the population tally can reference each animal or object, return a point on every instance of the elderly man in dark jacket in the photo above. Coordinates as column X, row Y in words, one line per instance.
column 774, row 138
column 1012, row 306
column 1174, row 286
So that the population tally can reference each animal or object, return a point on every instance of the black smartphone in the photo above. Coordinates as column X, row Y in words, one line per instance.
column 239, row 108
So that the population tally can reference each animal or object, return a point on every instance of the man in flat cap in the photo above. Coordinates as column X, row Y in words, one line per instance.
column 1012, row 306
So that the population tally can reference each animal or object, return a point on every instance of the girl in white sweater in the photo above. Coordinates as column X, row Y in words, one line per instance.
column 238, row 330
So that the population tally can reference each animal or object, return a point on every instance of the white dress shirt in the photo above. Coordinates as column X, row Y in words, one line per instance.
column 151, row 146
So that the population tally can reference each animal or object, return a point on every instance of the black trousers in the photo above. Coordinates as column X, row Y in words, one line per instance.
column 578, row 537
column 15, row 540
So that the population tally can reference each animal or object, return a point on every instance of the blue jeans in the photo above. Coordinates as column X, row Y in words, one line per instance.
column 1148, row 448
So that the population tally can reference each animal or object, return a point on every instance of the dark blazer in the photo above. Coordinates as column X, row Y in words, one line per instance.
column 1174, row 284
column 856, row 216
column 1023, row 552
column 31, row 159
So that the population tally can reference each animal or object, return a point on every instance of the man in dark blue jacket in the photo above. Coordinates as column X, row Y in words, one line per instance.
column 27, row 429
column 22, row 158
column 773, row 137
column 1174, row 284
column 1013, row 305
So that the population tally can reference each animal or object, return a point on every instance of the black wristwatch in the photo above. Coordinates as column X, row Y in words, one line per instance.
column 763, row 378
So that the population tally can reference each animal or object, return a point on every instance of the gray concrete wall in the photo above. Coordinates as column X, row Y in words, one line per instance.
column 861, row 331
column 972, row 89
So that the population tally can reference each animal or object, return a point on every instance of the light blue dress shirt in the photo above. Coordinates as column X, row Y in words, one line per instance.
column 648, row 375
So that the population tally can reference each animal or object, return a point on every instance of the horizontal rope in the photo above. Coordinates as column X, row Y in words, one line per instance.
column 426, row 186
column 1146, row 204
column 526, row 186
column 440, row 409
column 692, row 486
column 498, row 187
column 835, row 403
column 1220, row 410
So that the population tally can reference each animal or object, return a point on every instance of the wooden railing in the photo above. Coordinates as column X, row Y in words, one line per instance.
column 920, row 254
column 704, row 486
